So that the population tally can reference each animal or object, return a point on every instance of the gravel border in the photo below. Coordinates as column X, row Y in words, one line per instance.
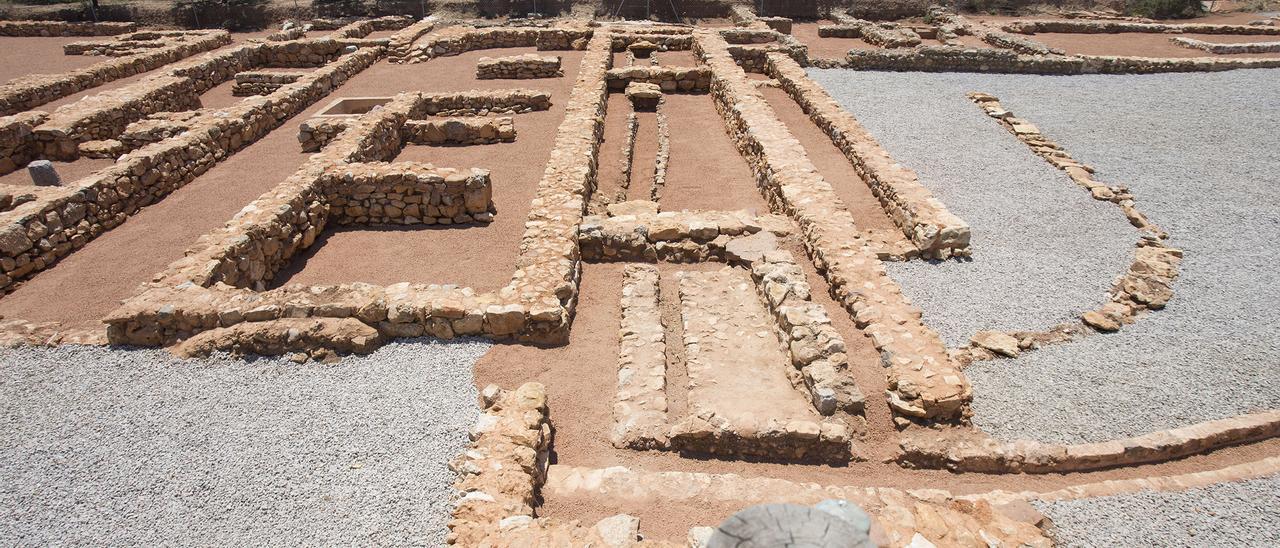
column 1238, row 514
column 1200, row 152
column 137, row 447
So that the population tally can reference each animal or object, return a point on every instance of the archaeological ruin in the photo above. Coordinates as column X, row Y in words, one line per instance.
column 700, row 274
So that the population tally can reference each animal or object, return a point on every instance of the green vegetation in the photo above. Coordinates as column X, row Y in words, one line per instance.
column 1164, row 9
column 227, row 14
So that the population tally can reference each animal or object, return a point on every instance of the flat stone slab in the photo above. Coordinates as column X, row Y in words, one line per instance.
column 741, row 400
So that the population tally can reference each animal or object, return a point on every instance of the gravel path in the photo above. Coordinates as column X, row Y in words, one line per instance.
column 1207, row 174
column 1240, row 514
column 113, row 447
column 1044, row 251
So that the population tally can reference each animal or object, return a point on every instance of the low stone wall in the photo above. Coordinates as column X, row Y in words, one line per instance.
column 637, row 232
column 815, row 347
column 399, row 46
column 502, row 470
column 16, row 139
column 951, row 25
column 953, row 59
column 934, row 230
column 669, row 78
column 1227, row 49
column 221, row 281
column 64, row 28
column 640, row 408
column 923, row 380
column 35, row 235
column 461, row 39
column 1091, row 26
column 519, row 67
column 286, row 35
column 105, row 115
column 316, row 132
column 406, row 193
column 31, row 91
column 459, row 131
column 966, row 450
column 666, row 38
column 749, row 48
column 110, row 49
column 262, row 83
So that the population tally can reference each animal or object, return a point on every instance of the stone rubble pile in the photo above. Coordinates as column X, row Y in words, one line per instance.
column 519, row 67
column 1228, row 49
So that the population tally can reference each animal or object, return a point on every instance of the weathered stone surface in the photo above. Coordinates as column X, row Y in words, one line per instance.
column 640, row 408
column 996, row 341
column 43, row 174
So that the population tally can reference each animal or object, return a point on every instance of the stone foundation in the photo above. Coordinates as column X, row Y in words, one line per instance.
column 670, row 79
column 519, row 67
column 923, row 380
column 1227, row 49
column 262, row 83
column 953, row 59
column 639, row 233
column 459, row 131
column 640, row 408
column 63, row 28
column 460, row 39
column 1090, row 26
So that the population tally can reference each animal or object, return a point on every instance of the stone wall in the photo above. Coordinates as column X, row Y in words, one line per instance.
column 951, row 24
column 36, row 234
column 884, row 34
column 1254, row 47
column 640, row 408
column 63, row 28
column 221, row 282
column 31, row 91
column 934, row 230
column 519, row 67
column 459, row 131
column 666, row 38
column 406, row 193
column 1091, row 26
column 460, row 39
column 669, row 78
column 964, row 450
column 262, row 83
column 16, row 139
column 635, row 231
column 923, row 380
column 399, row 46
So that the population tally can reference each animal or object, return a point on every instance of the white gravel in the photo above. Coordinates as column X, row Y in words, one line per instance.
column 113, row 447
column 1240, row 514
column 1202, row 155
column 1044, row 251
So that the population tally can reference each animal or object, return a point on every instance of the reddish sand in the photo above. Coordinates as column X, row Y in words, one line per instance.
column 479, row 257
column 68, row 171
column 826, row 48
column 831, row 163
column 20, row 56
column 1146, row 44
column 644, row 159
column 610, row 177
column 676, row 58
column 706, row 172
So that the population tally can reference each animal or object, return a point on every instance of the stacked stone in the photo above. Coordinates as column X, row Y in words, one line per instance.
column 635, row 231
column 640, row 410
column 816, row 349
column 292, row 33
column 31, row 91
column 105, row 115
column 970, row 450
column 1091, row 26
column 923, row 380
column 889, row 35
column 299, row 53
column 460, row 131
column 461, row 39
column 317, row 132
column 669, row 78
column 935, row 231
column 16, row 139
column 212, row 287
column 749, row 47
column 664, row 38
column 951, row 25
column 483, row 103
column 63, row 28
column 1248, row 47
column 37, row 234
column 406, row 193
column 314, row 337
column 840, row 31
column 399, row 46
column 500, row 473
column 780, row 24
column 155, row 128
column 111, row 49
column 262, row 83
column 519, row 67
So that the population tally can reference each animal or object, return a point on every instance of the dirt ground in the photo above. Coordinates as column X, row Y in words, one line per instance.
column 68, row 171
column 826, row 48
column 20, row 56
column 706, row 172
